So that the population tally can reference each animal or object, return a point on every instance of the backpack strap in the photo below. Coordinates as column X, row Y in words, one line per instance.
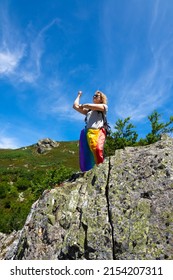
column 104, row 117
column 106, row 124
column 85, row 120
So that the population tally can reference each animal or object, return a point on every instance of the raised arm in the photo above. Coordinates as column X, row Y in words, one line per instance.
column 78, row 107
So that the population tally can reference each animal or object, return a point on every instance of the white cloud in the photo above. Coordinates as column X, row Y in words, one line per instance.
column 149, row 92
column 59, row 106
column 8, row 142
column 9, row 61
column 11, row 46
column 31, row 70
column 145, row 76
column 21, row 52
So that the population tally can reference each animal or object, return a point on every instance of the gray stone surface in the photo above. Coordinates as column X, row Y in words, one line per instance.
column 121, row 209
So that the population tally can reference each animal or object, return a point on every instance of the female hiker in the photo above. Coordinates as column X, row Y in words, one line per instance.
column 92, row 138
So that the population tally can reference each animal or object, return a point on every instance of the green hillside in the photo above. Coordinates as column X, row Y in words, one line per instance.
column 25, row 174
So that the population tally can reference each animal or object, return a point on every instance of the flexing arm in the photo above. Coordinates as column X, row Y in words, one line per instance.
column 94, row 107
column 78, row 107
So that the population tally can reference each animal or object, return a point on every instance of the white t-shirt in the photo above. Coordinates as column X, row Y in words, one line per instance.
column 94, row 119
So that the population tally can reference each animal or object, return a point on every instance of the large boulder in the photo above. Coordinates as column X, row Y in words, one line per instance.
column 45, row 145
column 121, row 209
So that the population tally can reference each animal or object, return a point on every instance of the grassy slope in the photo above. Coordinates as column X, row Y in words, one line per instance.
column 24, row 174
column 66, row 153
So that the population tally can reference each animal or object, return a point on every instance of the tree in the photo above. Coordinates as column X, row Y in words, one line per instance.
column 124, row 134
column 158, row 128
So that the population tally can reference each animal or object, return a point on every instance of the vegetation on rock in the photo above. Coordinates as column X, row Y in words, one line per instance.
column 125, row 134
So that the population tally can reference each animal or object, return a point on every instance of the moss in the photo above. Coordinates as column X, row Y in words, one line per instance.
column 51, row 219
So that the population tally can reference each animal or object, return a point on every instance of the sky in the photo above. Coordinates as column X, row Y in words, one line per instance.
column 51, row 49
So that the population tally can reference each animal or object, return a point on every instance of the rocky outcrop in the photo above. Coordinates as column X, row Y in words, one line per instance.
column 121, row 210
column 46, row 144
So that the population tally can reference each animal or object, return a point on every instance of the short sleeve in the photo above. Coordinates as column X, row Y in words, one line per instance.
column 106, row 107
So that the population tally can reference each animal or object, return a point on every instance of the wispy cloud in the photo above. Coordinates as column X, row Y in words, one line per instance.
column 21, row 52
column 11, row 48
column 31, row 69
column 150, row 91
column 19, row 133
column 137, row 95
column 59, row 106
column 8, row 142
column 22, row 60
column 9, row 61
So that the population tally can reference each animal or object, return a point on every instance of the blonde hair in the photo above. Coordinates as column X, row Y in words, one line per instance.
column 103, row 96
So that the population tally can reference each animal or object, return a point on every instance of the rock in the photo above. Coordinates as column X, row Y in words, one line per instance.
column 46, row 145
column 119, row 210
column 8, row 244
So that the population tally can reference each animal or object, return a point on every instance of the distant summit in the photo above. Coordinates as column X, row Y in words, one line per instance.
column 46, row 144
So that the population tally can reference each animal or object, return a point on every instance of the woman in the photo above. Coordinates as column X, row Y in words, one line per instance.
column 92, row 138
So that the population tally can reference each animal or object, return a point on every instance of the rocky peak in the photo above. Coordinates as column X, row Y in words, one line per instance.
column 121, row 209
column 46, row 144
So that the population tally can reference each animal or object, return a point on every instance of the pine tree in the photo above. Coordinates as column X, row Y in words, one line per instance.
column 158, row 128
column 124, row 134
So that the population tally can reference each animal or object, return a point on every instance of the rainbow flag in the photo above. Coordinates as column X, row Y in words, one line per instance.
column 91, row 146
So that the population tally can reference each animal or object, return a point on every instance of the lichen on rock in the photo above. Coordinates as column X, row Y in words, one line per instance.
column 121, row 209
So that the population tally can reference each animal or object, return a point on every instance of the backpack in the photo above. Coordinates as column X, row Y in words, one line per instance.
column 106, row 125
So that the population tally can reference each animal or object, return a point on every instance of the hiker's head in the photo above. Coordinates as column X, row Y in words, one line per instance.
column 100, row 97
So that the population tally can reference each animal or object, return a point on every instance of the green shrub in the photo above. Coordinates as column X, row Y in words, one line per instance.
column 3, row 190
column 22, row 184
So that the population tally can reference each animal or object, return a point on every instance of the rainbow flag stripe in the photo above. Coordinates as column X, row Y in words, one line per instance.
column 91, row 146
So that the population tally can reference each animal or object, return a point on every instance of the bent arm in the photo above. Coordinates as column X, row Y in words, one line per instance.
column 95, row 107
column 78, row 107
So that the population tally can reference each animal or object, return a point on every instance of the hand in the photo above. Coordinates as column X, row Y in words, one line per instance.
column 85, row 105
column 79, row 93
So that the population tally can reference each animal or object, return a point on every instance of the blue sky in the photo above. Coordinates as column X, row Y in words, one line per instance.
column 51, row 49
